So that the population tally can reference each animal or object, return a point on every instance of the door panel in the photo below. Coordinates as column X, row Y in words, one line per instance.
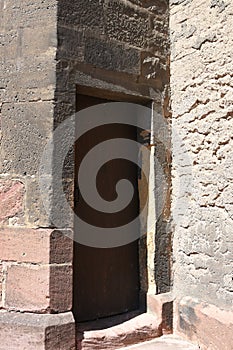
column 106, row 281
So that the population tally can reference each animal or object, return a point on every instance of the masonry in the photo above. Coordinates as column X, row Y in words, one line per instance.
column 50, row 50
column 201, row 94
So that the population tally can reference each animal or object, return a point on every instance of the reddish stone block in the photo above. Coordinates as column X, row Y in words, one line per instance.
column 38, row 332
column 206, row 324
column 25, row 245
column 61, row 247
column 27, row 288
column 11, row 202
column 42, row 246
column 39, row 288
column 61, row 288
column 161, row 305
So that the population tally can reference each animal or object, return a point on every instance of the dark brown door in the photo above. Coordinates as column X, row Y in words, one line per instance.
column 106, row 280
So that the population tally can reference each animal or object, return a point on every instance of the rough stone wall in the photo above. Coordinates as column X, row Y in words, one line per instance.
column 202, row 111
column 48, row 48
column 33, row 266
column 28, row 49
column 103, row 37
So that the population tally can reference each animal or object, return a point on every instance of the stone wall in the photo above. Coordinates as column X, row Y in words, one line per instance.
column 202, row 95
column 49, row 51
column 35, row 259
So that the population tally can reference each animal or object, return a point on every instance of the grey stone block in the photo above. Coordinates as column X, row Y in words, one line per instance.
column 26, row 127
column 9, row 44
column 70, row 44
column 26, row 13
column 87, row 13
column 23, row 76
column 126, row 23
column 35, row 210
column 38, row 40
column 112, row 56
column 45, row 204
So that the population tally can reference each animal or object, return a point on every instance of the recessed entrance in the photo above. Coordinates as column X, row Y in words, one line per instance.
column 106, row 280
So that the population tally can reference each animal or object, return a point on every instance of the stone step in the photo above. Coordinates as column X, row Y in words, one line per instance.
column 117, row 332
column 164, row 343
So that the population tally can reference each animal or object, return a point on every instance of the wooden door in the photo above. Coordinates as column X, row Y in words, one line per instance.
column 106, row 280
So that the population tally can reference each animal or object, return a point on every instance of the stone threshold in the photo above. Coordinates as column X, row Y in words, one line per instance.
column 116, row 332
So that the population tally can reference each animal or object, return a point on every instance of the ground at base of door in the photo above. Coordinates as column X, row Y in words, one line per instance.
column 164, row 343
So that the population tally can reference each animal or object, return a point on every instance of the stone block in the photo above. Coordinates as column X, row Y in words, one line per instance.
column 37, row 332
column 210, row 326
column 12, row 195
column 17, row 85
column 81, row 13
column 127, row 24
column 26, row 42
column 39, row 288
column 37, row 215
column 9, row 44
column 111, row 56
column 27, row 13
column 64, row 107
column 27, row 288
column 41, row 246
column 55, row 213
column 61, row 288
column 65, row 79
column 26, row 127
column 37, row 41
column 61, row 247
column 161, row 305
column 70, row 44
column 27, row 75
column 163, row 243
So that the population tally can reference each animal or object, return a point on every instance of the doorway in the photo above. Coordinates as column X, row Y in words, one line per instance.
column 106, row 280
